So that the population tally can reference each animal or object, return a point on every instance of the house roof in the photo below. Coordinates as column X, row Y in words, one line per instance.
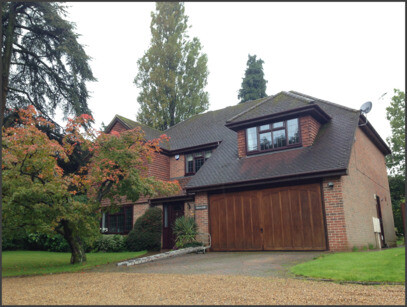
column 328, row 155
column 150, row 133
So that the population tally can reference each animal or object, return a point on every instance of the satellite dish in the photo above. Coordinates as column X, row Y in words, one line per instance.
column 366, row 107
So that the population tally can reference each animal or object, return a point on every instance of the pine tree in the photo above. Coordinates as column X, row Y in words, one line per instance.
column 173, row 72
column 253, row 85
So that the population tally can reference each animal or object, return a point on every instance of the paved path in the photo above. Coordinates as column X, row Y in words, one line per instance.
column 226, row 263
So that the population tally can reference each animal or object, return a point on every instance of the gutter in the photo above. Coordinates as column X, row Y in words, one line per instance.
column 280, row 179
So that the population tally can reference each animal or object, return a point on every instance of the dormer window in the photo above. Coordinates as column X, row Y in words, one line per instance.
column 273, row 136
column 195, row 160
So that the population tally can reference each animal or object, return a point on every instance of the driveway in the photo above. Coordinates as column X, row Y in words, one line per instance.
column 261, row 264
column 248, row 278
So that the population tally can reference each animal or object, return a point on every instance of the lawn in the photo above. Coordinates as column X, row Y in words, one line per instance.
column 17, row 263
column 382, row 266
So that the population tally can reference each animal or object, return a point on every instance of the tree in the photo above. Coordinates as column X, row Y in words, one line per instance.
column 397, row 117
column 38, row 195
column 43, row 63
column 397, row 184
column 253, row 84
column 173, row 72
column 395, row 113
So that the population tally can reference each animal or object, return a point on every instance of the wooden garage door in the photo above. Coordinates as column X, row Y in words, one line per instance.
column 288, row 218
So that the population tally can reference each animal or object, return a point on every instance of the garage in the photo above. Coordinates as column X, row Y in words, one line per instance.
column 284, row 218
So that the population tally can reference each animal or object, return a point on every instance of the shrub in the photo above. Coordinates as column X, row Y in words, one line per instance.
column 371, row 246
column 354, row 249
column 47, row 242
column 146, row 234
column 110, row 243
column 185, row 230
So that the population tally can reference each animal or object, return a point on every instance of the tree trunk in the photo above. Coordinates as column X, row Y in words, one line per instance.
column 6, row 57
column 77, row 251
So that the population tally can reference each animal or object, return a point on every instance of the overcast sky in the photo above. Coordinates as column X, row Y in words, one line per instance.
column 347, row 53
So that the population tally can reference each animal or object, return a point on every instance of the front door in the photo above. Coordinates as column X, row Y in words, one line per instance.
column 171, row 213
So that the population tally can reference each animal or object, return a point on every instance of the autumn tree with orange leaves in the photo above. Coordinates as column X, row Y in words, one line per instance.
column 41, row 194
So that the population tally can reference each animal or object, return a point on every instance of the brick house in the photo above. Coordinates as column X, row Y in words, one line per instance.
column 287, row 172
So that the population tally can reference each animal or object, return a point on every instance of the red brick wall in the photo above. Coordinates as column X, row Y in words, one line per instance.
column 177, row 167
column 118, row 127
column 138, row 210
column 309, row 130
column 367, row 177
column 335, row 214
column 241, row 143
column 201, row 216
column 160, row 167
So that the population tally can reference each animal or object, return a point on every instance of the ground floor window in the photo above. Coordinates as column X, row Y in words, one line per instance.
column 120, row 222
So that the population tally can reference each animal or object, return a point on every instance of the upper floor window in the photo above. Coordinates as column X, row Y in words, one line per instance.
column 273, row 136
column 195, row 160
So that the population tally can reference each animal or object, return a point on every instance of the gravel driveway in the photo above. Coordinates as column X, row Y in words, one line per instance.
column 213, row 278
column 176, row 289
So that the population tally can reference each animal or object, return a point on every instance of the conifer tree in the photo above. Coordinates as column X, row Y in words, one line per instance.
column 253, row 84
column 43, row 63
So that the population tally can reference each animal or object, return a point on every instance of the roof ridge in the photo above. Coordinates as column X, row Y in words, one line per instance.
column 294, row 95
column 251, row 108
column 324, row 101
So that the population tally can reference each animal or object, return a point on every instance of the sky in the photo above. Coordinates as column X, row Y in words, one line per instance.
column 347, row 53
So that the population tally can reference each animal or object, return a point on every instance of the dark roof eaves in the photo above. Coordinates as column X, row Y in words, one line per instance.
column 311, row 108
column 373, row 135
column 112, row 122
column 291, row 177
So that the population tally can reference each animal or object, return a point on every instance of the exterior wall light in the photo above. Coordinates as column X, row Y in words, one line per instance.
column 330, row 185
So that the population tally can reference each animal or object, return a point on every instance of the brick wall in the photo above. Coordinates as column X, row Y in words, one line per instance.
column 367, row 177
column 118, row 127
column 138, row 210
column 160, row 167
column 241, row 143
column 177, row 167
column 335, row 214
column 201, row 216
column 309, row 130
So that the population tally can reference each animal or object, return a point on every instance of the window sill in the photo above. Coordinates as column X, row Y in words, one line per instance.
column 257, row 152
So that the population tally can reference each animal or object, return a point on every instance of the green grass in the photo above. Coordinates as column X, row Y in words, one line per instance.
column 380, row 266
column 17, row 263
column 400, row 241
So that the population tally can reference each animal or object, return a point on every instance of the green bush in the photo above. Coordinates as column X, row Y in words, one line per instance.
column 47, row 242
column 110, row 243
column 146, row 234
column 371, row 246
column 185, row 230
column 355, row 249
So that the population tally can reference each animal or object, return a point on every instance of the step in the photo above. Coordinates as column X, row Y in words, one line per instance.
column 165, row 255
